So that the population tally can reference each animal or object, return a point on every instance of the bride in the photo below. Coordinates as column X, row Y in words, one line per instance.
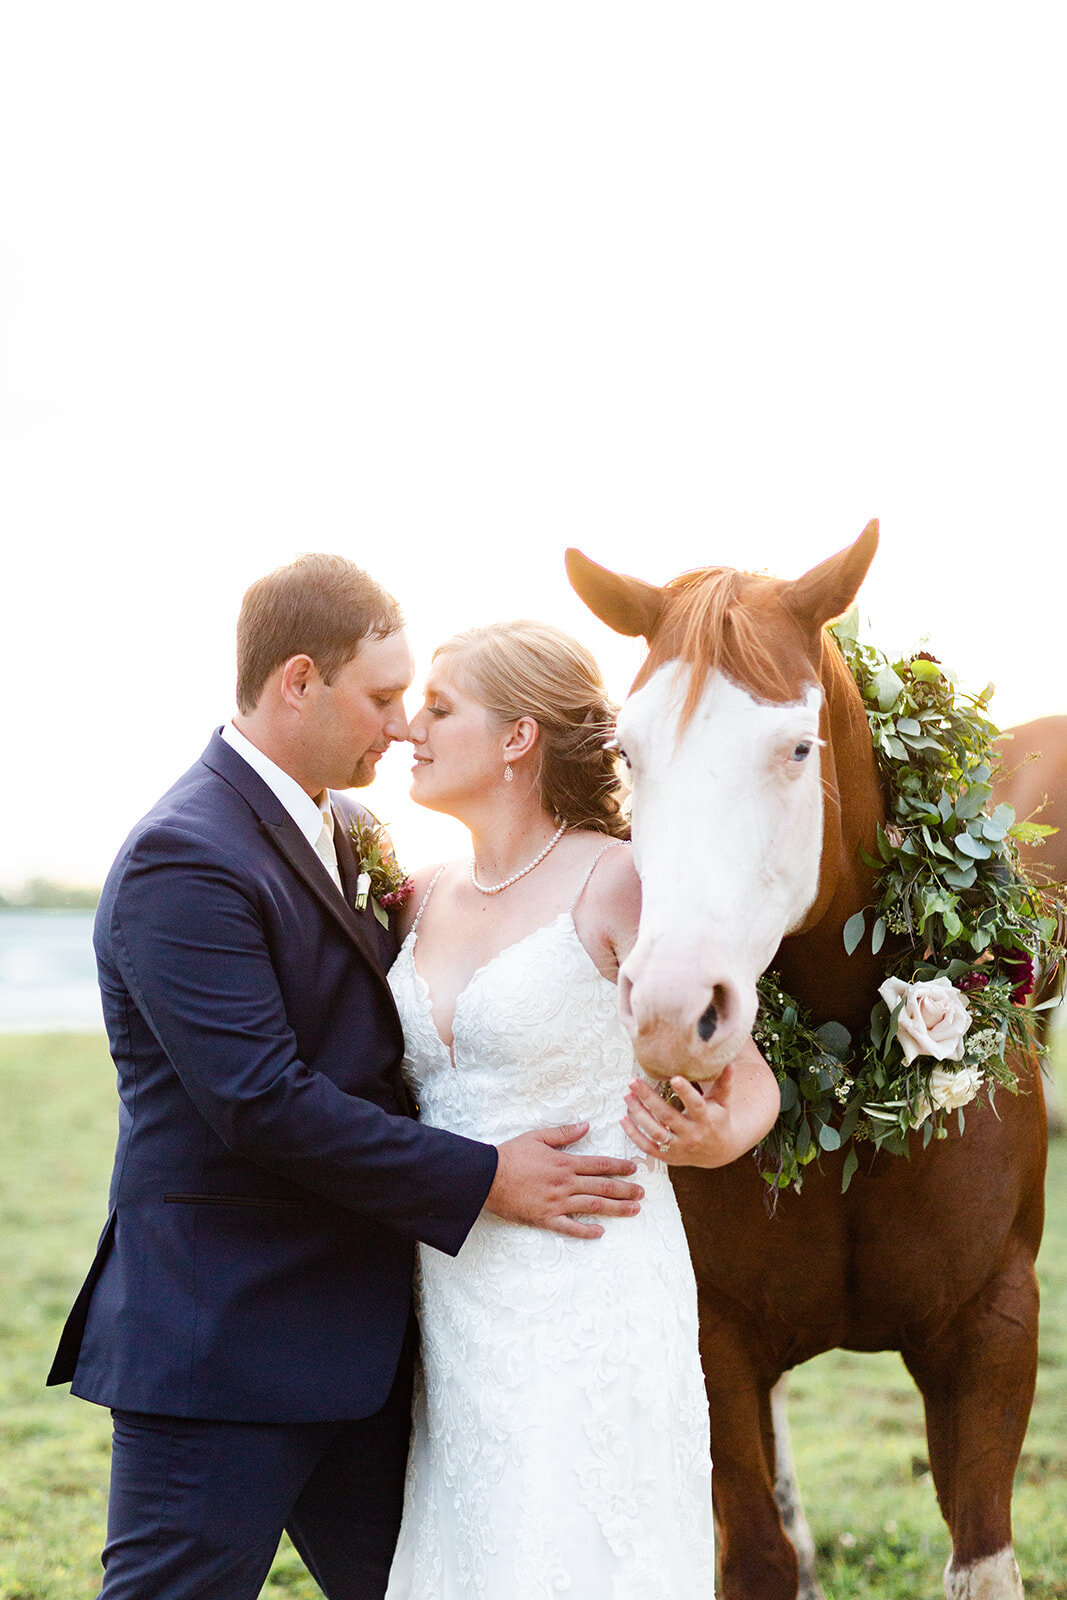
column 561, row 1432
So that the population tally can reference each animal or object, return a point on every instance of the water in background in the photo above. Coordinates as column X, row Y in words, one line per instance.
column 47, row 972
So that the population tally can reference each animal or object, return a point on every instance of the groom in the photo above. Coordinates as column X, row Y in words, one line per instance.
column 247, row 1316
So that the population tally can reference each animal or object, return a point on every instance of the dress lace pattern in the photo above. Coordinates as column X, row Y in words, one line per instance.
column 561, row 1427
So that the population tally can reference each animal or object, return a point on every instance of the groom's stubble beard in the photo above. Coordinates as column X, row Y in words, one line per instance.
column 364, row 773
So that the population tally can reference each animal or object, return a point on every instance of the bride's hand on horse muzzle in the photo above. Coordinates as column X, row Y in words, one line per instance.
column 709, row 1127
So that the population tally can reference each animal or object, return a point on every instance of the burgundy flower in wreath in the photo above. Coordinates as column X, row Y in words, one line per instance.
column 972, row 980
column 1019, row 967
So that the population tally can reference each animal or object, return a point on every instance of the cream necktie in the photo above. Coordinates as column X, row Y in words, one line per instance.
column 325, row 848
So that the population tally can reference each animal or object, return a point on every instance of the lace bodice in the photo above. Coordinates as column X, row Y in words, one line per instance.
column 536, row 1034
column 561, row 1431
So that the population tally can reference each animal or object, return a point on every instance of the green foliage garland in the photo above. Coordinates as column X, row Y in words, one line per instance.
column 951, row 902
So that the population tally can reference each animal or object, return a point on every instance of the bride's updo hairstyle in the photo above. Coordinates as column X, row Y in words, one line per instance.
column 531, row 669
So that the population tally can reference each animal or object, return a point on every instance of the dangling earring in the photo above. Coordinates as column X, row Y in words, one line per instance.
column 509, row 776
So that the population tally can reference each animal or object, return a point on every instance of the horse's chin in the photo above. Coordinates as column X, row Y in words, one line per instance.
column 662, row 1055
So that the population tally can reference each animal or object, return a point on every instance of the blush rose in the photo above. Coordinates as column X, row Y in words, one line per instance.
column 933, row 1020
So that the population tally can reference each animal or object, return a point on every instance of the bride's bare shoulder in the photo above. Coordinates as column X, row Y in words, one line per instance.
column 615, row 883
column 421, row 879
column 609, row 909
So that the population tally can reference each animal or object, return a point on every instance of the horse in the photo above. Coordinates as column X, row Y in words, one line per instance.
column 756, row 800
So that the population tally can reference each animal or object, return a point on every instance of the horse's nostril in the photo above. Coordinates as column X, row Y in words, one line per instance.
column 708, row 1023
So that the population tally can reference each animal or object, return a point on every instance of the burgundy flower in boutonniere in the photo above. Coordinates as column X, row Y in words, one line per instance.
column 381, row 878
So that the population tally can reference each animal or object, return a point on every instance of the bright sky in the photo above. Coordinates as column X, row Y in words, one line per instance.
column 447, row 288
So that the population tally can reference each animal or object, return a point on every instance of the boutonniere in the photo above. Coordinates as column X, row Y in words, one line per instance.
column 381, row 879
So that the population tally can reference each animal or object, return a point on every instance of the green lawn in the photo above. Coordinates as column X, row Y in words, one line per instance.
column 856, row 1419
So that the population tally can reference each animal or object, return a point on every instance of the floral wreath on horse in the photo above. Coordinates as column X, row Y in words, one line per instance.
column 963, row 928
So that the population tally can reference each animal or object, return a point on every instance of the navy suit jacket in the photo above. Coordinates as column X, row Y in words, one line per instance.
column 270, row 1178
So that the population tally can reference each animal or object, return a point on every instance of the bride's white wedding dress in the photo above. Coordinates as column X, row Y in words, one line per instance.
column 561, row 1427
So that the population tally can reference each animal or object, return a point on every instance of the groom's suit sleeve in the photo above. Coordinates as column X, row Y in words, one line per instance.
column 191, row 947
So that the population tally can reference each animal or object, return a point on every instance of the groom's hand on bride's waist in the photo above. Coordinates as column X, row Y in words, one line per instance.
column 538, row 1182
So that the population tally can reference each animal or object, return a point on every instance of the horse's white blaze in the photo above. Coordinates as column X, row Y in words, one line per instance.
column 993, row 1578
column 727, row 829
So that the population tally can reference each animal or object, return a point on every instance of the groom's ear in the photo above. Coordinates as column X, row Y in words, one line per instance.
column 296, row 679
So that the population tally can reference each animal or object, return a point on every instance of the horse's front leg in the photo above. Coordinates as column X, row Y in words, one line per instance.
column 756, row 1558
column 977, row 1380
column 787, row 1495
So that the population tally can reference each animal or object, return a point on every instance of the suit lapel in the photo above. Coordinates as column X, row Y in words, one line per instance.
column 287, row 838
column 283, row 833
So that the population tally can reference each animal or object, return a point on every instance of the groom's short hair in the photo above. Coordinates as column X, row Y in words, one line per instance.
column 320, row 606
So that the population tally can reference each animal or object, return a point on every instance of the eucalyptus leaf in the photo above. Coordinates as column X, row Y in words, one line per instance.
column 972, row 802
column 790, row 1098
column 967, row 845
column 847, row 628
column 961, row 877
column 853, row 931
column 836, row 1039
column 829, row 1137
column 909, row 725
column 886, row 687
column 849, row 1169
column 877, row 935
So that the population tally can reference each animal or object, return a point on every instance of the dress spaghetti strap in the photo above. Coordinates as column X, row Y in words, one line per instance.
column 602, row 851
column 426, row 896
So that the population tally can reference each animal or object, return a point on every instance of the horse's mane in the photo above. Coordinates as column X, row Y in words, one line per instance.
column 709, row 624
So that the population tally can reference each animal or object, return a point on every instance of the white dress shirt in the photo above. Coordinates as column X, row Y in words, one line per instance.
column 314, row 818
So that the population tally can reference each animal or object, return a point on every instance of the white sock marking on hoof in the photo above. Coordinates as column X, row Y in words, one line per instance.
column 992, row 1578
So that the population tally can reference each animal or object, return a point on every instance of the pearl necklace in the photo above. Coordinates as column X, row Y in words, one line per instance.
column 497, row 888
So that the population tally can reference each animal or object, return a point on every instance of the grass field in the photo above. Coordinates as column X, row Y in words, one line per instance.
column 857, row 1421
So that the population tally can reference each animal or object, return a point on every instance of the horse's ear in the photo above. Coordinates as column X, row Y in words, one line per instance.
column 829, row 589
column 626, row 604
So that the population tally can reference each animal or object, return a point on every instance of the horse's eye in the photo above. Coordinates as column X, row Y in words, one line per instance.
column 621, row 753
column 802, row 751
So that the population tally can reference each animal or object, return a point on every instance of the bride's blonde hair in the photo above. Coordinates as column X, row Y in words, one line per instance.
column 531, row 669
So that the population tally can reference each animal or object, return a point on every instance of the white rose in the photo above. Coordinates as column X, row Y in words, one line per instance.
column 947, row 1090
column 933, row 1020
